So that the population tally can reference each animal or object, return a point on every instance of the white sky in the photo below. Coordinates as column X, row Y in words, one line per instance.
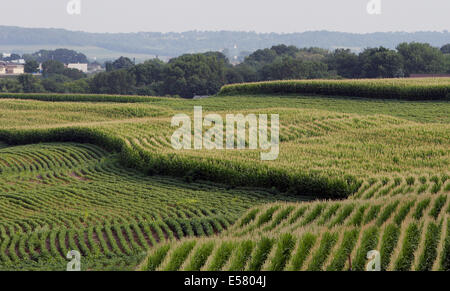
column 243, row 15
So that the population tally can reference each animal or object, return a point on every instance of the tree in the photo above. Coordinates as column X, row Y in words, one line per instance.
column 73, row 74
column 55, row 83
column 149, row 72
column 64, row 56
column 115, row 82
column 344, row 62
column 446, row 63
column 421, row 58
column 120, row 63
column 284, row 50
column 10, row 85
column 248, row 73
column 446, row 49
column 13, row 57
column 52, row 85
column 261, row 57
column 29, row 84
column 78, row 86
column 233, row 75
column 121, row 82
column 52, row 67
column 380, row 63
column 195, row 74
column 31, row 66
column 290, row 68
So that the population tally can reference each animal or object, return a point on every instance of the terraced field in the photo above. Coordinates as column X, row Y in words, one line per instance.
column 99, row 175
column 411, row 232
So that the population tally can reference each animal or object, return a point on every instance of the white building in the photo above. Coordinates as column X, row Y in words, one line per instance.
column 78, row 66
column 19, row 61
column 11, row 69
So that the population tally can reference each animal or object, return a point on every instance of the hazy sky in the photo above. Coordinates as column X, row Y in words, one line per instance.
column 244, row 15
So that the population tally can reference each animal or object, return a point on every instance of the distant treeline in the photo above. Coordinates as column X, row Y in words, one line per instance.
column 65, row 56
column 206, row 73
column 174, row 44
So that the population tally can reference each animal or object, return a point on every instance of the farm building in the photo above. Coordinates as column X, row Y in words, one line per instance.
column 7, row 68
column 78, row 66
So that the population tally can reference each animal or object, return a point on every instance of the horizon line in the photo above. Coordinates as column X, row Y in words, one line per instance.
column 444, row 31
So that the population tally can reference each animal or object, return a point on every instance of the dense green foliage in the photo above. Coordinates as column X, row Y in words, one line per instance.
column 65, row 56
column 205, row 73
column 384, row 89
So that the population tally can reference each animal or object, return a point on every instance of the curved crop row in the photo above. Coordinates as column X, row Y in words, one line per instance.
column 403, row 242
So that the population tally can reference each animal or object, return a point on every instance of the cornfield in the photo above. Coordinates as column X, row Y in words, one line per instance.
column 403, row 89
column 98, row 174
column 321, row 236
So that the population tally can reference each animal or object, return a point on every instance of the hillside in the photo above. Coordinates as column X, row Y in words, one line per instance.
column 175, row 44
column 98, row 174
column 411, row 232
column 57, row 197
